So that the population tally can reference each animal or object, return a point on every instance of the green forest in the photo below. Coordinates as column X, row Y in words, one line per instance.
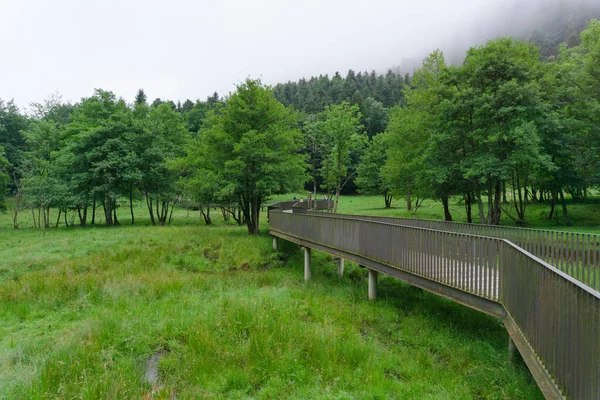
column 508, row 127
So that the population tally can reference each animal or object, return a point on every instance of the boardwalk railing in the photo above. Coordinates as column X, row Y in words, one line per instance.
column 553, row 318
column 576, row 254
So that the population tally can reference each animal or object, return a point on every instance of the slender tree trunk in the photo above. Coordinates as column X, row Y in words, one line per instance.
column 497, row 199
column 388, row 199
column 490, row 201
column 564, row 208
column 408, row 201
column 33, row 217
column 131, row 203
column 115, row 220
column 445, row 203
column 93, row 212
column 173, row 208
column 157, row 210
column 246, row 211
column 253, row 227
column 47, row 217
column 468, row 201
column 315, row 185
column 81, row 217
column 58, row 219
column 206, row 215
column 66, row 221
column 480, row 207
column 150, row 211
column 504, row 199
column 16, row 209
column 552, row 205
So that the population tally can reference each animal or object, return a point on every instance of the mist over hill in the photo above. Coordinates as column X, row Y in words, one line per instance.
column 546, row 22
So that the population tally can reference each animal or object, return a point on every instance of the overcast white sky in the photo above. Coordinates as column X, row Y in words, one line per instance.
column 182, row 49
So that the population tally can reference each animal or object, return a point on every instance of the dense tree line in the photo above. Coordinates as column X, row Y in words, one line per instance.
column 87, row 159
column 317, row 93
column 504, row 129
column 504, row 125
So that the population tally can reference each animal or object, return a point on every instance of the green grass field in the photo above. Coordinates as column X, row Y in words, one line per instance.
column 92, row 313
column 585, row 216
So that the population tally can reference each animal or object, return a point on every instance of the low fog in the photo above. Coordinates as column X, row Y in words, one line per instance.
column 187, row 49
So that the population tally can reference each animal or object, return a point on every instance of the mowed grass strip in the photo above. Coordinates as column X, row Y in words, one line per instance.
column 227, row 318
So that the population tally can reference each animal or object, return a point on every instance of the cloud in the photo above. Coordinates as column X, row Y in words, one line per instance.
column 188, row 49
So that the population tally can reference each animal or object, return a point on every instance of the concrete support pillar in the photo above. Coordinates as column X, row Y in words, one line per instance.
column 340, row 263
column 275, row 244
column 512, row 350
column 306, row 264
column 373, row 284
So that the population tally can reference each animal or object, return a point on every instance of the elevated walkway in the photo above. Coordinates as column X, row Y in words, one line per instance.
column 552, row 318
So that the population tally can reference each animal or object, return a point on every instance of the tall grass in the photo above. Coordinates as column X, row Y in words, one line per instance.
column 82, row 310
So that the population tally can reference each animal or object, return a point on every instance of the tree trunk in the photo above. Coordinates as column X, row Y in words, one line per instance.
column 115, row 220
column 490, row 202
column 58, row 219
column 480, row 207
column 564, row 208
column 408, row 201
column 388, row 200
column 206, row 215
column 445, row 203
column 468, row 201
column 66, row 221
column 552, row 205
column 82, row 217
column 173, row 208
column 497, row 210
column 337, row 200
column 149, row 204
column 93, row 212
column 108, row 215
column 246, row 211
column 131, row 203
column 253, row 227
column 315, row 185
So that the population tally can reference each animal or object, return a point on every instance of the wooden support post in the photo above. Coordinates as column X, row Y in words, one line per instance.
column 373, row 284
column 306, row 264
column 512, row 350
column 340, row 263
column 275, row 244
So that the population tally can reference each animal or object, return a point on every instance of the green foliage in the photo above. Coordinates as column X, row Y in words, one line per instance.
column 409, row 132
column 375, row 116
column 252, row 146
column 344, row 142
column 4, row 179
column 12, row 124
column 370, row 179
column 315, row 94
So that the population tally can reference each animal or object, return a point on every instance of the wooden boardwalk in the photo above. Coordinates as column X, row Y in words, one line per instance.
column 553, row 319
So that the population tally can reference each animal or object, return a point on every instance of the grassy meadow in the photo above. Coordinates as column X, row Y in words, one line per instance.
column 190, row 311
column 584, row 216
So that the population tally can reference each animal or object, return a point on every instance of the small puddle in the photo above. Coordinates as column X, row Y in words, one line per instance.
column 151, row 375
